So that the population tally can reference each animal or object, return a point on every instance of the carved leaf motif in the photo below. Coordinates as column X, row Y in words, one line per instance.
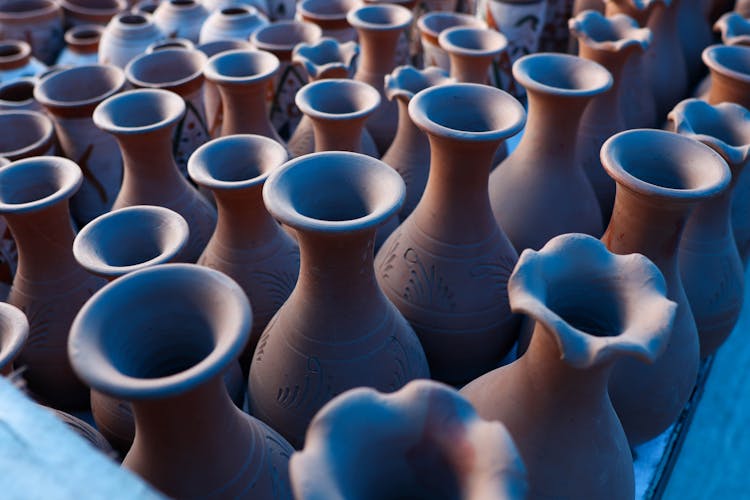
column 426, row 286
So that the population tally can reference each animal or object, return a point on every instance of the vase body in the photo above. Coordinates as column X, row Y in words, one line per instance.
column 126, row 37
column 330, row 16
column 17, row 62
column 37, row 22
column 181, row 19
column 232, row 23
column 81, row 46
column 430, row 26
column 350, row 335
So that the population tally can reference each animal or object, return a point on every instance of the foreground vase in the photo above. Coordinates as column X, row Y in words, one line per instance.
column 14, row 332
column 592, row 309
column 236, row 22
column 431, row 25
column 81, row 46
column 449, row 279
column 656, row 193
column 181, row 18
column 71, row 106
column 17, row 62
column 143, row 122
column 247, row 245
column 126, row 37
column 38, row 22
column 407, row 451
column 49, row 286
column 337, row 330
column 379, row 27
column 26, row 134
column 540, row 190
column 710, row 263
column 191, row 440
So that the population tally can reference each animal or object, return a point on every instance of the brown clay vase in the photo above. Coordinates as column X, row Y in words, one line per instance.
column 17, row 62
column 143, row 122
column 187, row 324
column 449, row 279
column 661, row 177
column 541, row 190
column 14, row 332
column 247, row 245
column 409, row 154
column 379, row 28
column 81, row 46
column 337, row 330
column 431, row 25
column 49, row 286
column 25, row 134
column 609, row 41
column 734, row 29
column 71, row 105
column 424, row 441
column 710, row 263
column 330, row 16
column 592, row 310
column 38, row 22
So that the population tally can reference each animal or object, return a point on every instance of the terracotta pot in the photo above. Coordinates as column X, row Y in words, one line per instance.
column 540, row 190
column 449, row 279
column 710, row 265
column 734, row 29
column 81, row 46
column 379, row 27
column 232, row 23
column 49, row 286
column 14, row 332
column 18, row 95
column 279, row 39
column 243, row 78
column 413, row 443
column 409, row 153
column 17, row 62
column 170, row 43
column 181, row 18
column 126, row 37
column 143, row 122
column 610, row 42
column 730, row 74
column 99, row 12
column 330, row 15
column 337, row 330
column 191, row 440
column 655, row 194
column 180, row 71
column 592, row 309
column 37, row 22
column 430, row 26
column 71, row 106
column 247, row 245
column 26, row 134
column 694, row 31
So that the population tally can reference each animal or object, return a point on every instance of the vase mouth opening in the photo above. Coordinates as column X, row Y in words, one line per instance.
column 612, row 33
column 325, row 9
column 236, row 11
column 562, row 75
column 166, row 68
column 182, row 4
column 129, row 239
column 337, row 99
column 25, row 134
column 472, row 42
column 139, row 111
column 326, row 56
column 130, row 20
column 241, row 67
column 732, row 61
column 84, row 35
column 735, row 29
column 170, row 44
column 219, row 46
column 236, row 162
column 380, row 17
column 724, row 127
column 285, row 35
column 18, row 92
column 406, row 81
column 467, row 112
column 14, row 332
column 186, row 324
column 433, row 24
column 665, row 164
column 62, row 90
column 14, row 51
column 36, row 183
column 334, row 192
column 94, row 7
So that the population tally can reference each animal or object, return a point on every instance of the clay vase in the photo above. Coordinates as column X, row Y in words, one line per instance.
column 181, row 18
column 26, row 134
column 37, row 22
column 126, row 37
column 694, row 31
column 431, row 25
column 14, row 332
column 337, row 330
column 91, row 12
column 17, row 62
column 609, row 41
column 211, row 97
column 81, row 46
column 49, row 286
column 592, row 309
column 734, row 29
column 330, row 16
column 19, row 95
column 656, row 193
column 449, row 279
column 180, row 71
column 409, row 153
column 541, row 190
column 243, row 78
column 399, row 446
column 710, row 264
column 232, row 23
column 71, row 106
column 191, row 440
column 247, row 245
column 279, row 39
column 379, row 27
column 143, row 122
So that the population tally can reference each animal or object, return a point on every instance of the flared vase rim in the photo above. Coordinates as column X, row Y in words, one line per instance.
column 67, row 172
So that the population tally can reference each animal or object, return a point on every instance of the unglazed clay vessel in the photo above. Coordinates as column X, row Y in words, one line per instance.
column 661, row 177
column 330, row 15
column 236, row 22
column 17, row 62
column 143, row 122
column 38, row 22
column 449, row 279
column 540, row 190
column 181, row 18
column 431, row 25
column 19, row 95
column 424, row 441
column 337, row 330
column 191, row 440
column 734, row 29
column 409, row 154
column 592, row 309
column 710, row 264
column 471, row 52
column 49, row 286
column 126, row 37
column 26, row 134
column 14, row 332
column 247, row 245
column 81, row 46
column 71, row 105
column 91, row 12
column 609, row 41
column 379, row 27
column 730, row 74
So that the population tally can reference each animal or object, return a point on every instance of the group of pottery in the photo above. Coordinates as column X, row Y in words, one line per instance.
column 210, row 206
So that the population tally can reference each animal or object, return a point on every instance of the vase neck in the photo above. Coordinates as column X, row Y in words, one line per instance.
column 711, row 219
column 148, row 157
column 244, row 109
column 243, row 221
column 338, row 135
column 470, row 69
column 726, row 89
column 605, row 108
column 408, row 136
column 377, row 51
